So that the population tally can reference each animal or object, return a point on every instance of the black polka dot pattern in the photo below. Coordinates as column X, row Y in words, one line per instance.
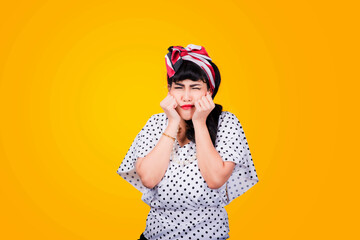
column 232, row 146
column 182, row 205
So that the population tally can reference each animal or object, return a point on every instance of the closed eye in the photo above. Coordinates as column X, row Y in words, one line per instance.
column 181, row 88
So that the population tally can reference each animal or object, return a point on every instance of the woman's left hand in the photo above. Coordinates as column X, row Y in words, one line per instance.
column 203, row 108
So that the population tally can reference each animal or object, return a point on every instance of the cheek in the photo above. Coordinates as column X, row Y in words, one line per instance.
column 176, row 98
column 199, row 96
column 173, row 93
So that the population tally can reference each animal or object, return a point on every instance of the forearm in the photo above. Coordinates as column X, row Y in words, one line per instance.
column 152, row 168
column 210, row 162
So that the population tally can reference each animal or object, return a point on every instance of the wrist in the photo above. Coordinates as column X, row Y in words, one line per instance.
column 199, row 123
column 172, row 129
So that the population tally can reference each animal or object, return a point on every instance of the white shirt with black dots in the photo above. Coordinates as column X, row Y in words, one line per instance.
column 182, row 206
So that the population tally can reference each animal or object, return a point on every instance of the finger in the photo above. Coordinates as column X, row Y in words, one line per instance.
column 201, row 105
column 206, row 102
column 207, row 98
column 173, row 102
column 211, row 101
column 167, row 100
column 197, row 106
column 172, row 98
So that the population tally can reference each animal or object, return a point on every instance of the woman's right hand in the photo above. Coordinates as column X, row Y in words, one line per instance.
column 169, row 105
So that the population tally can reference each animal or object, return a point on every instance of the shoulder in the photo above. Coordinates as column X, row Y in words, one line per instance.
column 229, row 128
column 229, row 123
column 156, row 120
column 159, row 116
column 229, row 118
column 156, row 116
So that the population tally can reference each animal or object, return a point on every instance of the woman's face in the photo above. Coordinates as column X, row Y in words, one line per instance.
column 187, row 92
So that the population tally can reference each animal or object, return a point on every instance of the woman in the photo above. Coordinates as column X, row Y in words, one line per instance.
column 193, row 159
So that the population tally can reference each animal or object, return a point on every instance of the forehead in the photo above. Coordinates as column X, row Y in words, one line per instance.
column 189, row 82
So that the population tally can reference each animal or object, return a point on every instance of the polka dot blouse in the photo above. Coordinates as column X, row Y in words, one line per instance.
column 182, row 206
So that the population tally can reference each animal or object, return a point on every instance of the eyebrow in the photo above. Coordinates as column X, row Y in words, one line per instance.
column 192, row 85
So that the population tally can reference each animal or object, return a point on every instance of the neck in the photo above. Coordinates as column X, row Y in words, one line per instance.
column 182, row 124
column 182, row 129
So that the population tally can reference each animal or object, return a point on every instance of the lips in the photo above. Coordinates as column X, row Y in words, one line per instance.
column 188, row 106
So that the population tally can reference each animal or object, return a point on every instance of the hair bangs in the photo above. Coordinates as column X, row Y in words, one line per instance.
column 189, row 70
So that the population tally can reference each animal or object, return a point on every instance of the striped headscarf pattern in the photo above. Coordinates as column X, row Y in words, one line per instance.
column 194, row 53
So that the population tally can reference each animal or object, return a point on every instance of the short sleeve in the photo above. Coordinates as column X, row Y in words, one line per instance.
column 232, row 145
column 140, row 147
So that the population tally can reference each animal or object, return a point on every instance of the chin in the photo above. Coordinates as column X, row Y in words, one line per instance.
column 187, row 118
column 186, row 115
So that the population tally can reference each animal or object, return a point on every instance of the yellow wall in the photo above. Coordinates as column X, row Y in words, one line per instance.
column 79, row 79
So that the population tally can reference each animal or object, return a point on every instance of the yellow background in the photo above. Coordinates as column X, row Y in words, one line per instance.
column 79, row 79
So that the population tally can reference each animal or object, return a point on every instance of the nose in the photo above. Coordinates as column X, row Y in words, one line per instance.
column 186, row 97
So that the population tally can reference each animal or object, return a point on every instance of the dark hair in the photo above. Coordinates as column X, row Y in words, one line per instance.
column 192, row 71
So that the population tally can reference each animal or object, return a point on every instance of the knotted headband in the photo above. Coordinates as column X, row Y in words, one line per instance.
column 194, row 53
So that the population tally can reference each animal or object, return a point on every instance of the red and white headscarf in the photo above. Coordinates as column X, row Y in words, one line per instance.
column 193, row 53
